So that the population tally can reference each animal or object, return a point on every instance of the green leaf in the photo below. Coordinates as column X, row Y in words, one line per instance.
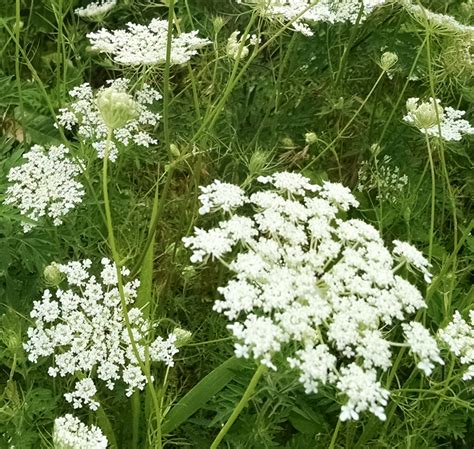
column 306, row 420
column 201, row 393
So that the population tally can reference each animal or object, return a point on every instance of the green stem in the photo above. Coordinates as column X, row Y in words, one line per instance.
column 158, row 206
column 452, row 198
column 332, row 445
column 347, row 48
column 433, row 197
column 136, row 411
column 440, row 400
column 240, row 406
column 17, row 61
column 157, row 212
column 116, row 258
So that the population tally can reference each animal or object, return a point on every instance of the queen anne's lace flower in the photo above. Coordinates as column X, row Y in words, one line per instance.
column 235, row 47
column 409, row 254
column 96, row 9
column 70, row 433
column 84, row 114
column 45, row 185
column 146, row 44
column 220, row 195
column 429, row 121
column 423, row 345
column 311, row 285
column 304, row 12
column 441, row 22
column 459, row 337
column 83, row 394
column 84, row 329
column 384, row 179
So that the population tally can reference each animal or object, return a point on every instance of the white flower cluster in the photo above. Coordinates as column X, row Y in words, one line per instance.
column 85, row 114
column 220, row 196
column 234, row 43
column 96, row 9
column 304, row 12
column 424, row 116
column 423, row 345
column 383, row 178
column 84, row 328
column 146, row 44
column 443, row 22
column 71, row 433
column 45, row 185
column 312, row 285
column 459, row 336
column 409, row 254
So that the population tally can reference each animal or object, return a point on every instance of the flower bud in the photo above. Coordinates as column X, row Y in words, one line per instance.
column 174, row 150
column 117, row 108
column 218, row 23
column 183, row 336
column 235, row 48
column 287, row 142
column 427, row 115
column 52, row 275
column 257, row 162
column 375, row 149
column 388, row 60
column 310, row 138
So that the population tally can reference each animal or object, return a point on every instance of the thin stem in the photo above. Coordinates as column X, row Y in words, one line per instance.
column 17, row 60
column 136, row 411
column 116, row 258
column 335, row 434
column 349, row 123
column 158, row 206
column 347, row 48
column 240, row 406
column 433, row 197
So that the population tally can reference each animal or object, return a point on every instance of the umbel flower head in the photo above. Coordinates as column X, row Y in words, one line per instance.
column 458, row 335
column 302, row 13
column 113, row 107
column 84, row 329
column 431, row 119
column 71, row 433
column 235, row 47
column 384, row 178
column 309, row 284
column 146, row 44
column 388, row 60
column 96, row 10
column 45, row 185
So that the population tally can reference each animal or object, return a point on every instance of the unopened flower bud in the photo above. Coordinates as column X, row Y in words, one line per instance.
column 183, row 336
column 257, row 162
column 52, row 276
column 375, row 149
column 117, row 108
column 218, row 23
column 388, row 60
column 174, row 150
column 287, row 142
column 427, row 115
column 310, row 138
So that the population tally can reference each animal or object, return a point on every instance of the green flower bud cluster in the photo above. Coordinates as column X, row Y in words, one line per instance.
column 116, row 108
column 388, row 60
